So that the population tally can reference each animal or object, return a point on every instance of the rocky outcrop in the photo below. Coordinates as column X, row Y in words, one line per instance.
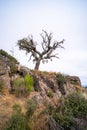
column 48, row 89
column 4, row 68
column 73, row 80
column 4, row 73
column 49, row 86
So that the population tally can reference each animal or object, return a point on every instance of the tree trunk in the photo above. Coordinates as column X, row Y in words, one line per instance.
column 37, row 65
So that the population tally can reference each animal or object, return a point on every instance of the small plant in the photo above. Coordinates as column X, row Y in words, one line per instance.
column 29, row 82
column 17, row 120
column 19, row 87
column 50, row 94
column 17, row 108
column 50, row 109
column 23, row 86
column 31, row 107
column 61, row 79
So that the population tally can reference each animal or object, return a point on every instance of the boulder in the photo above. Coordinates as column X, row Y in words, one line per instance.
column 74, row 80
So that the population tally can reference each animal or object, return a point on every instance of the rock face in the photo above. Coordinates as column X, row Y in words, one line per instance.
column 50, row 90
column 4, row 68
column 74, row 80
column 47, row 84
column 4, row 72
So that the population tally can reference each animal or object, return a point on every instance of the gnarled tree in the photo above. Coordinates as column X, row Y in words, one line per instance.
column 48, row 47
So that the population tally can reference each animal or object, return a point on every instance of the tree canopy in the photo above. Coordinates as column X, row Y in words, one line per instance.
column 47, row 44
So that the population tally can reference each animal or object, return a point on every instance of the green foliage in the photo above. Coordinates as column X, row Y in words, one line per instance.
column 74, row 82
column 19, row 87
column 17, row 108
column 23, row 86
column 50, row 109
column 50, row 94
column 17, row 120
column 74, row 105
column 63, row 119
column 29, row 82
column 77, row 103
column 31, row 107
column 61, row 79
column 1, row 85
column 11, row 58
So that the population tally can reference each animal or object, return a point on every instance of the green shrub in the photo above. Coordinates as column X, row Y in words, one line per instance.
column 17, row 120
column 50, row 94
column 29, row 82
column 31, row 107
column 11, row 58
column 17, row 108
column 50, row 109
column 19, row 87
column 23, row 86
column 61, row 79
column 77, row 103
column 74, row 106
column 64, row 120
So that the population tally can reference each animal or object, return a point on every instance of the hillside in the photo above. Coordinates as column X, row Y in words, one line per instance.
column 46, row 90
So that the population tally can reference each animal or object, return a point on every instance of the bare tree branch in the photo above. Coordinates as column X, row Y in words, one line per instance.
column 48, row 46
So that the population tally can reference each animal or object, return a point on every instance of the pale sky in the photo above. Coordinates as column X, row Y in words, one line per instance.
column 67, row 19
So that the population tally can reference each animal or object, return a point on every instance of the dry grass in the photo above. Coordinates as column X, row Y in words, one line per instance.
column 79, row 88
column 6, row 106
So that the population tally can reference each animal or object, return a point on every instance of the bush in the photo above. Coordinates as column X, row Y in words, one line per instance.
column 11, row 58
column 19, row 87
column 31, row 107
column 50, row 94
column 74, row 106
column 29, row 82
column 17, row 121
column 23, row 86
column 77, row 103
column 63, row 119
column 50, row 109
column 61, row 79
column 17, row 108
